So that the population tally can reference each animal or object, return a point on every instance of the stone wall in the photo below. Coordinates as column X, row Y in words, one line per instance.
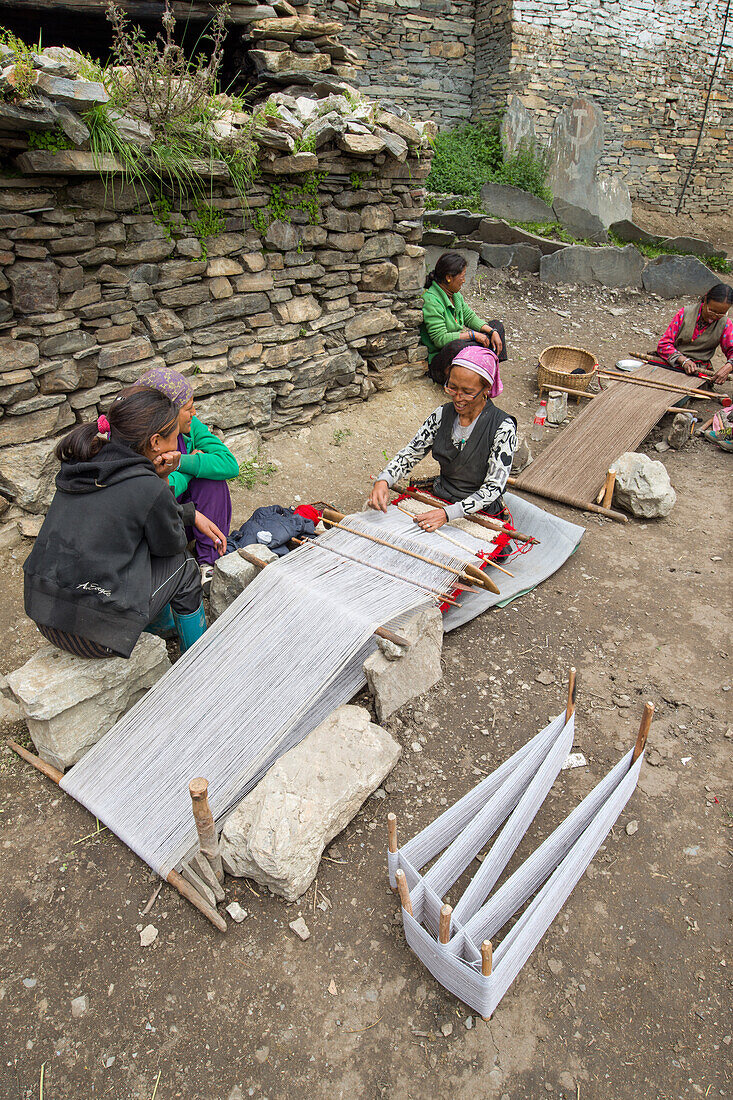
column 416, row 53
column 274, row 323
column 647, row 66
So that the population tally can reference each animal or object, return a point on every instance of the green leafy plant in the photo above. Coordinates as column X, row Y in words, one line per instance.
column 527, row 168
column 339, row 436
column 23, row 77
column 53, row 141
column 255, row 471
column 465, row 158
column 356, row 181
column 207, row 222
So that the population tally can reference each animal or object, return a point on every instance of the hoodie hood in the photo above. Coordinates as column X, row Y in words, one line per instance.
column 114, row 463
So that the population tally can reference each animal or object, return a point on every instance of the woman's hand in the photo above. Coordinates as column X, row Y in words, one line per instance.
column 166, row 463
column 432, row 520
column 495, row 341
column 379, row 496
column 722, row 373
column 689, row 367
column 482, row 339
column 203, row 524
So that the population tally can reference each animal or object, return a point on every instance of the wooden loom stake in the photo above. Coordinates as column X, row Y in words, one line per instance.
column 487, row 962
column 404, row 892
column 470, row 572
column 646, row 721
column 205, row 827
column 392, row 832
column 173, row 878
column 570, row 708
column 605, row 496
column 446, row 912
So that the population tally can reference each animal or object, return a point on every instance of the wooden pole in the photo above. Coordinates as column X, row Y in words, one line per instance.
column 482, row 521
column 487, row 962
column 570, row 708
column 252, row 559
column 572, row 502
column 198, row 789
column 40, row 765
column 403, row 891
column 392, row 832
column 173, row 878
column 470, row 572
column 590, row 396
column 646, row 721
column 606, row 494
column 442, row 596
column 446, row 912
column 651, row 383
column 187, row 891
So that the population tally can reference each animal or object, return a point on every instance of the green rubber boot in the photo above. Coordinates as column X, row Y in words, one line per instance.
column 190, row 627
column 163, row 625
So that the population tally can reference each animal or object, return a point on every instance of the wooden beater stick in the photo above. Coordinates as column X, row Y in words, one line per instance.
column 446, row 912
column 392, row 832
column 442, row 596
column 198, row 789
column 653, row 384
column 449, row 538
column 570, row 708
column 482, row 521
column 403, row 891
column 646, row 721
column 173, row 877
column 470, row 572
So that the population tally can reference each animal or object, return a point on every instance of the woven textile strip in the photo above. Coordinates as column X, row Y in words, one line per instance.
column 512, row 794
column 616, row 421
column 286, row 653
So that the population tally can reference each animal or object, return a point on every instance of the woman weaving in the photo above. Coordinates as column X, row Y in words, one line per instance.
column 695, row 333
column 471, row 439
column 449, row 324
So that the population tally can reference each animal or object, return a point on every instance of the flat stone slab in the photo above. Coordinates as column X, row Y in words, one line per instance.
column 232, row 574
column 394, row 680
column 495, row 231
column 692, row 246
column 513, row 203
column 442, row 238
column 586, row 266
column 581, row 223
column 626, row 230
column 276, row 835
column 678, row 276
column 69, row 703
column 461, row 222
column 524, row 257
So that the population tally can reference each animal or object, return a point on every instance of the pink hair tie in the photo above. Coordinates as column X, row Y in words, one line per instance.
column 103, row 428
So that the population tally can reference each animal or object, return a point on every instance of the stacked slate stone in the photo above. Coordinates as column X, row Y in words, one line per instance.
column 276, row 318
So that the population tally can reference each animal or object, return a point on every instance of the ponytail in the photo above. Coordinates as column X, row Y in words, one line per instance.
column 450, row 263
column 134, row 416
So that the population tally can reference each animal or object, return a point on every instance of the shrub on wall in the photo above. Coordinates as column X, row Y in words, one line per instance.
column 469, row 156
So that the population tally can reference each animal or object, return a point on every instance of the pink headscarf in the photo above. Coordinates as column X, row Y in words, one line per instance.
column 482, row 362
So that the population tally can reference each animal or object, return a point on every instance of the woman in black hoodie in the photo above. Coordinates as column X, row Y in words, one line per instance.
column 110, row 558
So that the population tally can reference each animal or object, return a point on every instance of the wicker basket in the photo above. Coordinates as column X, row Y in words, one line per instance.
column 556, row 366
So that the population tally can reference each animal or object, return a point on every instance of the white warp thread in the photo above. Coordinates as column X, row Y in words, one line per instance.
column 559, row 863
column 281, row 657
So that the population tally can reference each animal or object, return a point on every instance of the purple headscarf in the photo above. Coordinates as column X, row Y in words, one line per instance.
column 169, row 382
column 482, row 362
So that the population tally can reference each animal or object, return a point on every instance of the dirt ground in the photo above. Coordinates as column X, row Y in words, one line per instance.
column 625, row 996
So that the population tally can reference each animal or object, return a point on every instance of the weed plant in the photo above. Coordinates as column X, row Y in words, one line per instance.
column 255, row 471
column 467, row 157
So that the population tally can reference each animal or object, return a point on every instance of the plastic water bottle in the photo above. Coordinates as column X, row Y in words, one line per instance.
column 541, row 415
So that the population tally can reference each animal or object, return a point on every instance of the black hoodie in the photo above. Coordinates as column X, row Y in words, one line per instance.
column 89, row 570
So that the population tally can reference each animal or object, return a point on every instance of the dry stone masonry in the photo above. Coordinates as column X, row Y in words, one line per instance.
column 306, row 300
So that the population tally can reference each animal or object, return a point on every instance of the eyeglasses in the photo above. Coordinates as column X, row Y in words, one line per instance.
column 461, row 393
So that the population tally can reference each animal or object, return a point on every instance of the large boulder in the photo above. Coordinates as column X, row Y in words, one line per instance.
column 28, row 472
column 627, row 230
column 462, row 222
column 233, row 573
column 524, row 257
column 678, row 277
column 643, row 486
column 69, row 703
column 504, row 201
column 586, row 266
column 575, row 148
column 581, row 223
column 396, row 675
column 277, row 833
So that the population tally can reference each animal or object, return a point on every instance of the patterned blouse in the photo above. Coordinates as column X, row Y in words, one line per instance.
column 666, row 346
column 497, row 473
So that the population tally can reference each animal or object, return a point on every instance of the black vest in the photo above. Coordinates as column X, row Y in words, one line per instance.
column 463, row 470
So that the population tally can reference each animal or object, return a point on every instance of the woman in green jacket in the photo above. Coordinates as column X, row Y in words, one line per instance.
column 449, row 325
column 204, row 465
